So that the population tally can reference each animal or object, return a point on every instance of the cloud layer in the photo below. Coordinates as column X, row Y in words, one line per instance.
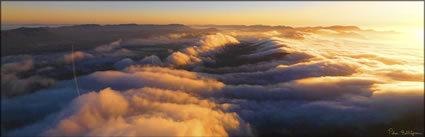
column 254, row 81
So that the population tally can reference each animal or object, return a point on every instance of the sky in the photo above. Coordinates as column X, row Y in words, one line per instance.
column 370, row 15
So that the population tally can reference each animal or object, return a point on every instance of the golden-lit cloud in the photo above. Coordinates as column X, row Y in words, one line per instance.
column 146, row 112
column 77, row 56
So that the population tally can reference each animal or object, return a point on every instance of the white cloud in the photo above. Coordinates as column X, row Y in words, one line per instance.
column 164, row 78
column 207, row 45
column 140, row 112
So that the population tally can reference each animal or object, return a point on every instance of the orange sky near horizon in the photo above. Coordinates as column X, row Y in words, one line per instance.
column 369, row 15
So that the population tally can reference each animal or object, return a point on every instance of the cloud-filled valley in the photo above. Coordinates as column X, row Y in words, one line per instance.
column 231, row 81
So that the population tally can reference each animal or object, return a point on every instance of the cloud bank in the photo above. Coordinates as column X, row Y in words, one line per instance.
column 139, row 112
column 313, row 81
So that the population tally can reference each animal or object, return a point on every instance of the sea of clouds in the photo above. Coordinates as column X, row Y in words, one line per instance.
column 318, row 82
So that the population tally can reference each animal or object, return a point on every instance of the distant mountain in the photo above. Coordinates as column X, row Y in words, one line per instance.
column 343, row 28
column 247, row 28
column 335, row 28
column 45, row 39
